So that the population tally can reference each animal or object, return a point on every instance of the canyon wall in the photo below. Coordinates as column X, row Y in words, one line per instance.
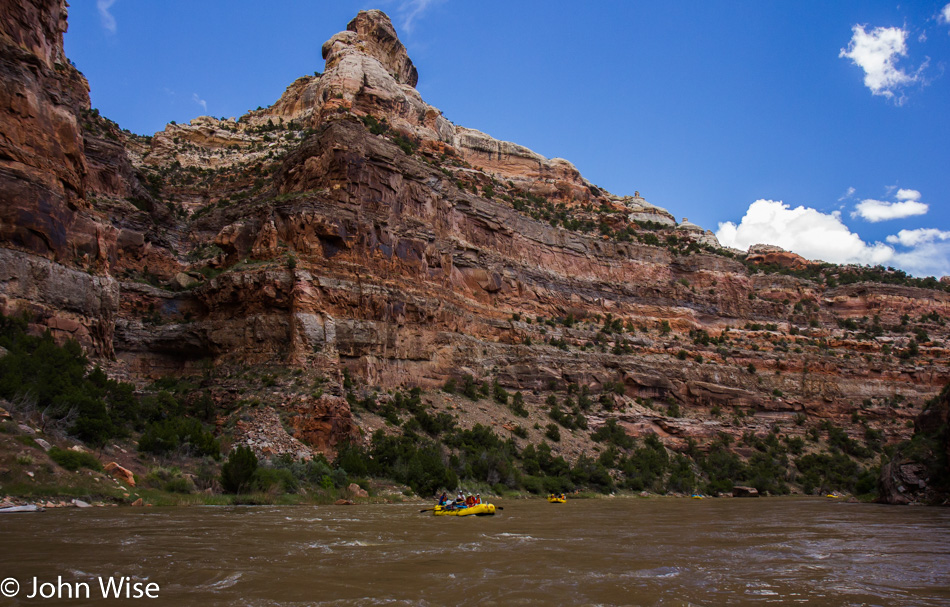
column 351, row 226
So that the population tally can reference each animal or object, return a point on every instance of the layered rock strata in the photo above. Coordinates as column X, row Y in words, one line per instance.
column 352, row 226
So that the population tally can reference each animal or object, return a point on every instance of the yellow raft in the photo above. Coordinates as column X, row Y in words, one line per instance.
column 477, row 510
column 556, row 500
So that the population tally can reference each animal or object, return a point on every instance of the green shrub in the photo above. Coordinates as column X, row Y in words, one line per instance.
column 517, row 405
column 645, row 467
column 591, row 473
column 419, row 463
column 827, row 472
column 182, row 434
column 613, row 434
column 682, row 478
column 280, row 479
column 74, row 460
column 55, row 378
column 180, row 484
column 237, row 474
column 499, row 394
column 469, row 387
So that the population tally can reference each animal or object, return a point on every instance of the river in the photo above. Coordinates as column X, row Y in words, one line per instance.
column 623, row 551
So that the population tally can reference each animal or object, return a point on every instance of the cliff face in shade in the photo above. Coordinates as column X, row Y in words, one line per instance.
column 919, row 473
column 351, row 226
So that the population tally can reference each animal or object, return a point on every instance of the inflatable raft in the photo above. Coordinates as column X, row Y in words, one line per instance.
column 556, row 500
column 476, row 510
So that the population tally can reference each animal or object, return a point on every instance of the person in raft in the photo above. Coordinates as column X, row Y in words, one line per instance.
column 478, row 499
column 443, row 499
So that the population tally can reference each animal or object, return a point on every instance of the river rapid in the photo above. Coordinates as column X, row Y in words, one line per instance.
column 622, row 551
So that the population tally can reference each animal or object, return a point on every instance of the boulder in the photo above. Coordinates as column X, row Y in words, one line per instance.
column 739, row 491
column 123, row 474
column 357, row 491
column 183, row 281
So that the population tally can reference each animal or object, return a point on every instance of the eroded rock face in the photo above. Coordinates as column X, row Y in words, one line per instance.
column 377, row 38
column 772, row 255
column 42, row 168
column 324, row 424
column 351, row 226
column 261, row 430
column 71, row 303
column 924, row 477
column 52, row 239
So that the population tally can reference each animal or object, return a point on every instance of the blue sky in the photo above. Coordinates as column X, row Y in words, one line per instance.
column 823, row 127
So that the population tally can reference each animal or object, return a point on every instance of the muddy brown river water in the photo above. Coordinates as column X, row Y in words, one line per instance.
column 586, row 552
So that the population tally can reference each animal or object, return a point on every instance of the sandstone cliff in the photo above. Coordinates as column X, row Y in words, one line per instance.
column 350, row 226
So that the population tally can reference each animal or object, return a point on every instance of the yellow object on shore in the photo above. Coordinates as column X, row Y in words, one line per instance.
column 477, row 510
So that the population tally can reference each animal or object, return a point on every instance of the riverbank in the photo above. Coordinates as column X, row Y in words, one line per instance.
column 383, row 493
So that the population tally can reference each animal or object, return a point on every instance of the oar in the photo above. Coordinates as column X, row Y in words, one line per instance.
column 427, row 509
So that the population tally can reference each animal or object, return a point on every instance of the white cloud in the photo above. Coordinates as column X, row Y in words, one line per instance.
column 913, row 238
column 848, row 194
column 808, row 232
column 877, row 53
column 879, row 210
column 903, row 194
column 108, row 21
column 945, row 14
column 410, row 10
column 822, row 236
column 925, row 259
column 199, row 101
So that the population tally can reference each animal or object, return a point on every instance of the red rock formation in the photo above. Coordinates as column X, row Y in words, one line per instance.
column 351, row 226
column 772, row 255
column 324, row 424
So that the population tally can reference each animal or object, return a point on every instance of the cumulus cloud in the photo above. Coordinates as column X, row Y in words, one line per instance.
column 903, row 194
column 877, row 53
column 822, row 236
column 806, row 231
column 880, row 210
column 199, row 101
column 108, row 21
column 928, row 257
column 913, row 238
column 945, row 14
